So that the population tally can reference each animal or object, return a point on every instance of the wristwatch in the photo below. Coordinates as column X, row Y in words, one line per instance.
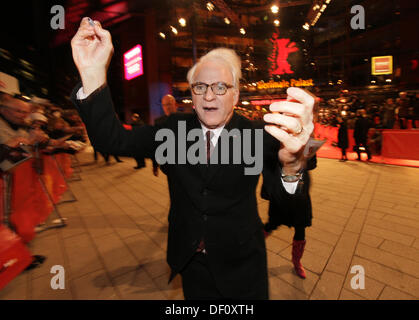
column 292, row 178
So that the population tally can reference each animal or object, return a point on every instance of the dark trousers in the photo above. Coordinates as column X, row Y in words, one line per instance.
column 140, row 162
column 362, row 143
column 197, row 280
column 199, row 284
column 105, row 156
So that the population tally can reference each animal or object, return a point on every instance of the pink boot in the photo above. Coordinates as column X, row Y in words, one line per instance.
column 297, row 253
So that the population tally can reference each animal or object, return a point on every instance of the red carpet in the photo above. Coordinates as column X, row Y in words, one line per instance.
column 330, row 152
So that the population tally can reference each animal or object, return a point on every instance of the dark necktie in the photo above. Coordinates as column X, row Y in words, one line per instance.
column 210, row 146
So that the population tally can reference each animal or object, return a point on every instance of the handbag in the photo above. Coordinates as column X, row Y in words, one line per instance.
column 14, row 256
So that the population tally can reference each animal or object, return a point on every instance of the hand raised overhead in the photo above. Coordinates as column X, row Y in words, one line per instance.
column 92, row 51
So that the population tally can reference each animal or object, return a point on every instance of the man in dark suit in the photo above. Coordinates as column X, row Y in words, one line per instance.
column 362, row 125
column 215, row 238
column 168, row 103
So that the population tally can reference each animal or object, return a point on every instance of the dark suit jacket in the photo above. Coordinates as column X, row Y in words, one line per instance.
column 216, row 203
column 362, row 125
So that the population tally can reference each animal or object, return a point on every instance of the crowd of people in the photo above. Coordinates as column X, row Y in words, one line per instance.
column 46, row 126
column 401, row 112
column 32, row 130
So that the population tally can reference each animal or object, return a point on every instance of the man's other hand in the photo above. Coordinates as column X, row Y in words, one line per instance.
column 92, row 51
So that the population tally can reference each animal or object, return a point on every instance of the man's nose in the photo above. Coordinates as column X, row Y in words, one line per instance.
column 209, row 95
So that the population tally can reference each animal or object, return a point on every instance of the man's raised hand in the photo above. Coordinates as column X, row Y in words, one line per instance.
column 291, row 122
column 92, row 51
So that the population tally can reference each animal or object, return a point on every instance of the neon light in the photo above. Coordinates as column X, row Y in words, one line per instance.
column 382, row 65
column 265, row 102
column 285, row 84
column 281, row 50
column 133, row 62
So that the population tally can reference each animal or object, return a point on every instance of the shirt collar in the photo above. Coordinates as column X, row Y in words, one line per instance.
column 216, row 132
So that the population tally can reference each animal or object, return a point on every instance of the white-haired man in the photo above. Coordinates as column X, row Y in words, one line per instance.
column 215, row 238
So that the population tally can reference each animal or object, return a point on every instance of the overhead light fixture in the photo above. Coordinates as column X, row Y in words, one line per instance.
column 245, row 103
column 174, row 30
column 242, row 31
column 227, row 20
column 388, row 80
column 182, row 22
column 373, row 81
column 276, row 22
column 210, row 6
column 275, row 9
column 306, row 26
column 162, row 35
column 323, row 7
column 328, row 1
column 187, row 101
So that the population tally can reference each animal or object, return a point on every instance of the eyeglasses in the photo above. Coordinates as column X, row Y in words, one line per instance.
column 219, row 88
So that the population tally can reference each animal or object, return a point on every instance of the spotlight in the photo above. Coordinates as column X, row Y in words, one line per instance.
column 162, row 35
column 242, row 31
column 182, row 22
column 276, row 22
column 227, row 20
column 275, row 9
column 174, row 30
column 210, row 6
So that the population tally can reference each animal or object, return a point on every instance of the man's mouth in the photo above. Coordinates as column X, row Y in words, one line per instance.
column 210, row 109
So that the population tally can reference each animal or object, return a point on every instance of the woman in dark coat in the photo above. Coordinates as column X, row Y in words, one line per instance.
column 297, row 215
column 343, row 138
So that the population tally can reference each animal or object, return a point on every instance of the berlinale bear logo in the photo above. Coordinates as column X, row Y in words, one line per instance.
column 281, row 50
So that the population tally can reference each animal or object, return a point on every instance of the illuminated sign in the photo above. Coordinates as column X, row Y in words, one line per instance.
column 382, row 65
column 133, row 62
column 285, row 84
column 281, row 50
column 265, row 102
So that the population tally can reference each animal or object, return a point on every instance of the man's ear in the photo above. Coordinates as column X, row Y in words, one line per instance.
column 236, row 96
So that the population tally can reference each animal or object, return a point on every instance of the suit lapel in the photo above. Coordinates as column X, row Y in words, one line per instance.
column 195, row 124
